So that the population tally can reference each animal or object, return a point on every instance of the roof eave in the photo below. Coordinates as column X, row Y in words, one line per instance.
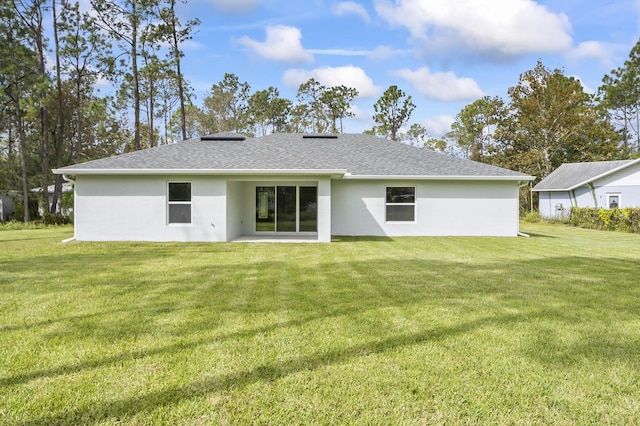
column 592, row 179
column 607, row 173
column 441, row 177
column 315, row 172
column 551, row 190
column 334, row 173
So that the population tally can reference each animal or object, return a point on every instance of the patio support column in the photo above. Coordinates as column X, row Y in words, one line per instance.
column 324, row 210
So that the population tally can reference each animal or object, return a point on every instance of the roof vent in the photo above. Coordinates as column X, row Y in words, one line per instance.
column 223, row 138
column 320, row 136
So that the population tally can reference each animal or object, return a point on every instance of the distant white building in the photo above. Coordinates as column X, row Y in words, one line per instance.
column 66, row 187
column 7, row 208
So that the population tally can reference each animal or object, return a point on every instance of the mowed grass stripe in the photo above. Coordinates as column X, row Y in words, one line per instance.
column 543, row 330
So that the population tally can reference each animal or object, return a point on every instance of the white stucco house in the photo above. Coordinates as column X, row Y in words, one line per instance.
column 226, row 187
column 601, row 184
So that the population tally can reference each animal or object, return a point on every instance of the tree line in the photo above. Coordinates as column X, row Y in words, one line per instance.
column 55, row 57
column 230, row 106
column 548, row 119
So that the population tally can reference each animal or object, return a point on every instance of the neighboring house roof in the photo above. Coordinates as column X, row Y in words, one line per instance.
column 349, row 155
column 574, row 175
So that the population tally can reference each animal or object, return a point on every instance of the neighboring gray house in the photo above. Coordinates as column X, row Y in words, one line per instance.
column 603, row 184
column 227, row 187
column 7, row 208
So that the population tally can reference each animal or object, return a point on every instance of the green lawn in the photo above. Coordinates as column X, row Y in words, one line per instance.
column 541, row 330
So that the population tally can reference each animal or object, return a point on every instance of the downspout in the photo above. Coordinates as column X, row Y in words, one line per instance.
column 593, row 194
column 73, row 182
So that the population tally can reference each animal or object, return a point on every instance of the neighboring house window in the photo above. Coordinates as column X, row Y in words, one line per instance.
column 179, row 202
column 401, row 203
column 613, row 201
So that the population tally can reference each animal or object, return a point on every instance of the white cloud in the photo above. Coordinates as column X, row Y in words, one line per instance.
column 340, row 52
column 351, row 8
column 235, row 6
column 282, row 44
column 439, row 125
column 103, row 83
column 384, row 53
column 359, row 114
column 499, row 28
column 350, row 76
column 192, row 45
column 592, row 50
column 586, row 88
column 441, row 86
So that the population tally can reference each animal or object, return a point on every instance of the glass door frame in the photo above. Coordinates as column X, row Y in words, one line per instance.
column 267, row 206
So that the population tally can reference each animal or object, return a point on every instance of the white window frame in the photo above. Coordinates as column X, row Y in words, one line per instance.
column 414, row 204
column 173, row 203
column 614, row 194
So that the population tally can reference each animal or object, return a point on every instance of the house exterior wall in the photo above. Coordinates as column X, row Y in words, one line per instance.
column 549, row 201
column 625, row 182
column 629, row 196
column 236, row 210
column 443, row 208
column 583, row 197
column 121, row 208
column 134, row 208
column 554, row 205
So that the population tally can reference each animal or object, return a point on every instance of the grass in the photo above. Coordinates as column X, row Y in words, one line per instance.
column 544, row 330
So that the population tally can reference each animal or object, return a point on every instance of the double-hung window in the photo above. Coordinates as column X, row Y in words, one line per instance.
column 401, row 204
column 179, row 202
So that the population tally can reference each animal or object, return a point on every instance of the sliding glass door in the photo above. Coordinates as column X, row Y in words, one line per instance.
column 308, row 209
column 265, row 208
column 286, row 209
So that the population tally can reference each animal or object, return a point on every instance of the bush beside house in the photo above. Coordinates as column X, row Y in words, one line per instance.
column 625, row 220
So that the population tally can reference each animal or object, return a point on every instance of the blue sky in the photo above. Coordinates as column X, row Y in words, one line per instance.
column 444, row 53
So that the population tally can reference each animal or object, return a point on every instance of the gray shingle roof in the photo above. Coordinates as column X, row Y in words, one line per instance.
column 572, row 175
column 356, row 154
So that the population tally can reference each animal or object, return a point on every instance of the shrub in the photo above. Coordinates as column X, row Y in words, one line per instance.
column 532, row 217
column 624, row 220
column 55, row 219
column 66, row 201
column 18, row 213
